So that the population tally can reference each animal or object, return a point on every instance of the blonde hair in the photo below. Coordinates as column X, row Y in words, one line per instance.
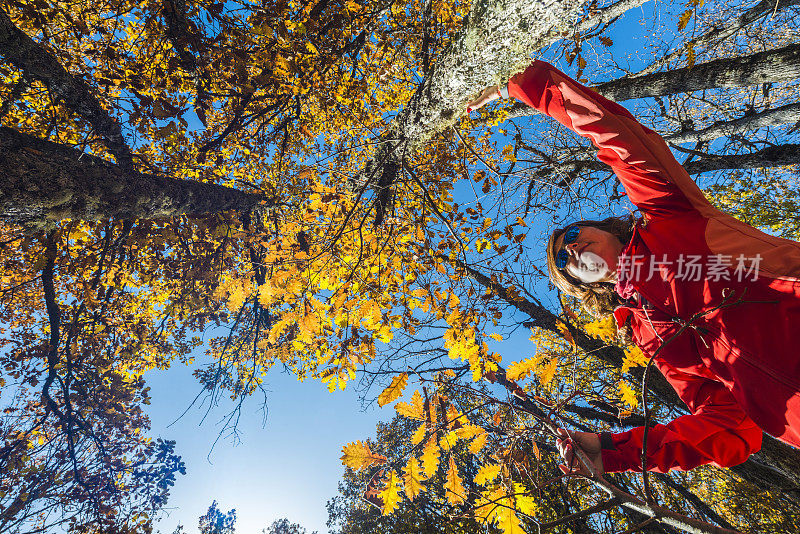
column 598, row 298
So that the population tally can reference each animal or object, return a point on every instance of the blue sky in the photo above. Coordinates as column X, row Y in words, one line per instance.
column 285, row 466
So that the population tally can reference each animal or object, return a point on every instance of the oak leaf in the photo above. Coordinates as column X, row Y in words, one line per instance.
column 358, row 456
column 430, row 457
column 454, row 485
column 413, row 410
column 391, row 493
column 412, row 478
column 487, row 473
column 394, row 390
column 628, row 394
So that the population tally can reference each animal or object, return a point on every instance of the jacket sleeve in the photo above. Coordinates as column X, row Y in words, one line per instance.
column 717, row 431
column 654, row 181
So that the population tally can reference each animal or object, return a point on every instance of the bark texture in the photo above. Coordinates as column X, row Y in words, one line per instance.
column 775, row 66
column 497, row 39
column 772, row 66
column 771, row 117
column 42, row 182
column 774, row 156
column 37, row 63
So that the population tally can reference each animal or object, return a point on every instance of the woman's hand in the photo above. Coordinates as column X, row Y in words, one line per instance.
column 588, row 442
column 489, row 94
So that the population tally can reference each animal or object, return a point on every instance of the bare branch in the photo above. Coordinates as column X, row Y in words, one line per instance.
column 718, row 34
column 771, row 117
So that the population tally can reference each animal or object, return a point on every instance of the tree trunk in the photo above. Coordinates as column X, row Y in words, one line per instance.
column 497, row 39
column 37, row 63
column 771, row 117
column 42, row 182
column 773, row 156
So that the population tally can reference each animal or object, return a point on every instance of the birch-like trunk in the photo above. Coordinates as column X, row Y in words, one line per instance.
column 43, row 182
column 771, row 66
column 498, row 39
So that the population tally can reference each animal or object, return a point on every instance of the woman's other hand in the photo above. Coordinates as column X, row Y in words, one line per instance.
column 489, row 94
column 589, row 444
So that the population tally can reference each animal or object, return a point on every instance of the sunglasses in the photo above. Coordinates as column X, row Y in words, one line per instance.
column 569, row 237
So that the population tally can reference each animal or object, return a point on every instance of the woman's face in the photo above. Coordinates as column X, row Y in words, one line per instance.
column 592, row 256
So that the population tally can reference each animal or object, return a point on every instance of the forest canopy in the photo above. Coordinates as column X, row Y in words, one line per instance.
column 297, row 186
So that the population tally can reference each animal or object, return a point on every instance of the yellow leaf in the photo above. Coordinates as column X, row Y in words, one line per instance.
column 604, row 329
column 412, row 478
column 525, row 503
column 506, row 520
column 236, row 297
column 496, row 337
column 430, row 457
column 477, row 444
column 548, row 372
column 519, row 370
column 358, row 456
column 415, row 410
column 418, row 435
column 394, row 390
column 454, row 487
column 390, row 494
column 628, row 394
column 266, row 294
column 469, row 431
column 634, row 357
column 495, row 506
column 684, row 20
column 487, row 473
column 448, row 440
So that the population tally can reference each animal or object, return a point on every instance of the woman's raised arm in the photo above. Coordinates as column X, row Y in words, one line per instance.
column 652, row 178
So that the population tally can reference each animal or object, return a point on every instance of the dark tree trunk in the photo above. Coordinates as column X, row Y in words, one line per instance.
column 39, row 64
column 43, row 182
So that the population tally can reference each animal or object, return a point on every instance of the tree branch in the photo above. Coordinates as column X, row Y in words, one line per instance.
column 717, row 34
column 771, row 117
column 773, row 156
column 37, row 63
column 772, row 66
column 43, row 182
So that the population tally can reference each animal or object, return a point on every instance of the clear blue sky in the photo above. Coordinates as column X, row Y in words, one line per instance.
column 287, row 468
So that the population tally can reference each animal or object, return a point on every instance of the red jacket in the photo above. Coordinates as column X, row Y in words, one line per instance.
column 737, row 367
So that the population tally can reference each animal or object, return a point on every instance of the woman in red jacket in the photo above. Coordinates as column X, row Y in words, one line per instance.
column 724, row 296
